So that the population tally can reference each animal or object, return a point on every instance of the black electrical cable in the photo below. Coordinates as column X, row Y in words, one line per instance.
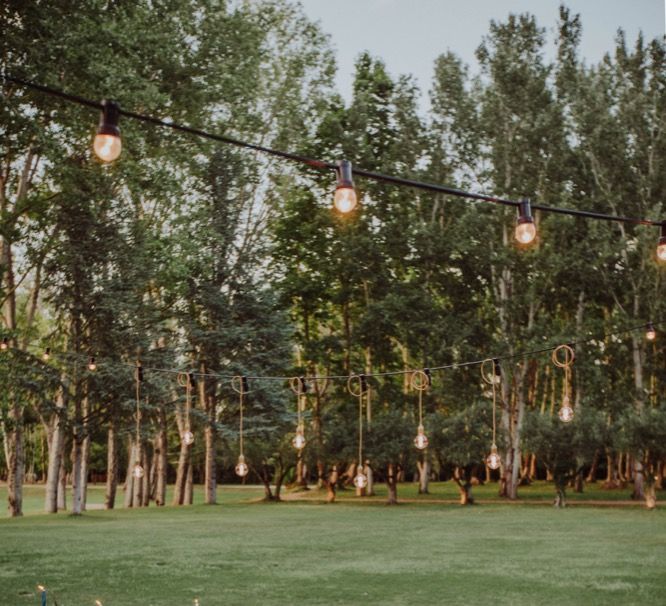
column 322, row 165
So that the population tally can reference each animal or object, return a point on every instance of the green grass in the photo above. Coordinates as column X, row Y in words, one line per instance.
column 243, row 552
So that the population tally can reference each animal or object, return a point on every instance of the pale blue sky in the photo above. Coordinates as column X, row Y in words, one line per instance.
column 410, row 34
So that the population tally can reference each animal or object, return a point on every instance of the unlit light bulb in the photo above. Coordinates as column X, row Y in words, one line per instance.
column 4, row 345
column 92, row 365
column 188, row 438
column 650, row 333
column 241, row 467
column 360, row 479
column 421, row 440
column 138, row 472
column 493, row 460
column 46, row 356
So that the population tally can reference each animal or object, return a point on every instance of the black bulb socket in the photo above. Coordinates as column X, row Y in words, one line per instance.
column 108, row 121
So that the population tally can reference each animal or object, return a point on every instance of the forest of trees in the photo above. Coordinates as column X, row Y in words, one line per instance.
column 191, row 255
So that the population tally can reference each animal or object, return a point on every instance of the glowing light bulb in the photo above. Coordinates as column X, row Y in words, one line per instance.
column 566, row 413
column 525, row 227
column 98, row 603
column 525, row 232
column 661, row 245
column 92, row 365
column 107, row 144
column 188, row 438
column 345, row 199
column 46, row 356
column 421, row 440
column 298, row 441
column 360, row 479
column 241, row 468
column 650, row 333
column 661, row 252
column 107, row 147
column 137, row 471
column 345, row 195
column 4, row 346
column 493, row 459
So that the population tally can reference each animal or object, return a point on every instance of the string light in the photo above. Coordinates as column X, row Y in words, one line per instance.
column 661, row 245
column 566, row 412
column 650, row 332
column 360, row 479
column 240, row 385
column 46, row 356
column 4, row 345
column 92, row 365
column 493, row 378
column 137, row 470
column 187, row 381
column 299, row 387
column 420, row 381
column 345, row 195
column 525, row 227
column 107, row 142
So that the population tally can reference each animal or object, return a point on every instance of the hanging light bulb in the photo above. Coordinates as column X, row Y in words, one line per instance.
column 298, row 441
column 4, row 346
column 188, row 438
column 46, row 356
column 360, row 479
column 661, row 245
column 241, row 467
column 493, row 459
column 98, row 603
column 566, row 413
column 137, row 471
column 650, row 332
column 345, row 195
column 525, row 227
column 92, row 365
column 107, row 143
column 421, row 440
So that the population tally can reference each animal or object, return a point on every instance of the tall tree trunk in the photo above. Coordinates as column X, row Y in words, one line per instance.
column 111, row 466
column 179, row 496
column 76, row 472
column 129, row 476
column 16, row 459
column 392, row 484
column 161, row 460
column 209, row 403
column 56, row 450
column 424, row 474
column 367, row 470
column 62, row 484
column 85, row 454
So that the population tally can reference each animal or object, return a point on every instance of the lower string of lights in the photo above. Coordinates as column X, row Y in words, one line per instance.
column 562, row 356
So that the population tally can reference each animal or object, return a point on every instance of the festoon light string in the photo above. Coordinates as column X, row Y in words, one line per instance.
column 493, row 377
column 566, row 412
column 239, row 384
column 300, row 388
column 187, row 380
column 360, row 391
column 107, row 146
column 137, row 470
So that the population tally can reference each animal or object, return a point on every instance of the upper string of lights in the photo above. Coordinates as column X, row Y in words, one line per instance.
column 108, row 145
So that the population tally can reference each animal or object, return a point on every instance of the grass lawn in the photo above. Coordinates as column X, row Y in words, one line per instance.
column 243, row 552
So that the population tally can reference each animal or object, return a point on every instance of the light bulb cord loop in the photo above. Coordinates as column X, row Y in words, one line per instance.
column 239, row 381
column 489, row 377
column 565, row 363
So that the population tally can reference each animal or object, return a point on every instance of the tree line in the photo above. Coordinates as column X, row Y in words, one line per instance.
column 191, row 255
